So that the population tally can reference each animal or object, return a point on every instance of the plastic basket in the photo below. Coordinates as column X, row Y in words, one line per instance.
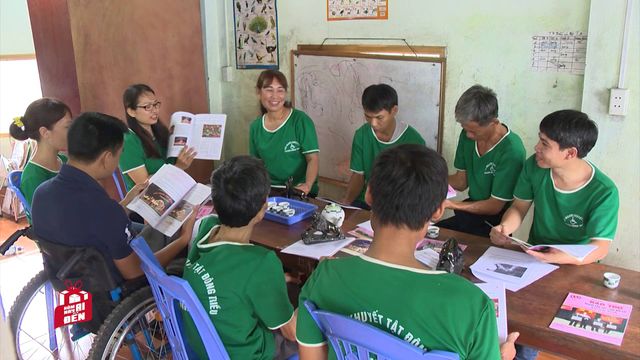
column 303, row 211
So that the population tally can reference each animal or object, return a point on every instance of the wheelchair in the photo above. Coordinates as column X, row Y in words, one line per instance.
column 124, row 321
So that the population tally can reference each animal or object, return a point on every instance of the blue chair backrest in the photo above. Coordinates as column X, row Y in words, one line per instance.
column 15, row 177
column 167, row 290
column 352, row 339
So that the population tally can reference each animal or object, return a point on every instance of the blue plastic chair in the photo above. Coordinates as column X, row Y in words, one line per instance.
column 352, row 339
column 118, row 180
column 15, row 177
column 167, row 290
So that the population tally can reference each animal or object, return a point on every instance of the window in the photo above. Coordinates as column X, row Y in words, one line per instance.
column 19, row 86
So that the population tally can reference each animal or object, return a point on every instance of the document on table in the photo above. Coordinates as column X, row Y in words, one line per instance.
column 495, row 291
column 316, row 251
column 516, row 269
column 428, row 256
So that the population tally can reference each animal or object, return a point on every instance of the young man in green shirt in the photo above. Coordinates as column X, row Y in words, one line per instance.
column 488, row 161
column 387, row 287
column 381, row 131
column 575, row 202
column 241, row 286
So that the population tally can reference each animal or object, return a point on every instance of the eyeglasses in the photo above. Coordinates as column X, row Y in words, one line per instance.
column 149, row 107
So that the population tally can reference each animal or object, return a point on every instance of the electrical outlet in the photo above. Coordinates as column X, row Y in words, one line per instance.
column 618, row 101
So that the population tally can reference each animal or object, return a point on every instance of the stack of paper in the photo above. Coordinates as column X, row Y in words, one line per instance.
column 495, row 291
column 316, row 251
column 514, row 268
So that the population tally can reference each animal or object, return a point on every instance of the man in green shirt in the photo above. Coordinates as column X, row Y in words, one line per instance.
column 241, row 286
column 488, row 161
column 575, row 202
column 387, row 287
column 381, row 131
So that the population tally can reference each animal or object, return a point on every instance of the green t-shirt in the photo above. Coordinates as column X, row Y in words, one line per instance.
column 494, row 174
column 366, row 146
column 242, row 288
column 133, row 157
column 432, row 310
column 568, row 217
column 33, row 175
column 283, row 150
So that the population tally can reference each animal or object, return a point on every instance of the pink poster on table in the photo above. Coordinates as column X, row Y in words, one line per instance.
column 593, row 318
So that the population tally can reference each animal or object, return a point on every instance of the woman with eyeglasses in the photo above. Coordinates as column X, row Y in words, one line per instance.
column 46, row 121
column 283, row 137
column 145, row 146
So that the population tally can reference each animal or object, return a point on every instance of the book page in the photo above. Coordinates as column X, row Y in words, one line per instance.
column 170, row 224
column 577, row 251
column 166, row 188
column 180, row 130
column 496, row 292
column 316, row 251
column 207, row 135
column 516, row 269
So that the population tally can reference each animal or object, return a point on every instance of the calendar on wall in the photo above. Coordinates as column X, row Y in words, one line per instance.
column 559, row 51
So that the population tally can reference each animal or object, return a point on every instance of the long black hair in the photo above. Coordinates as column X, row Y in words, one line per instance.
column 160, row 131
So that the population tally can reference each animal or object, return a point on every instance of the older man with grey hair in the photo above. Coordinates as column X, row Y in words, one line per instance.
column 488, row 160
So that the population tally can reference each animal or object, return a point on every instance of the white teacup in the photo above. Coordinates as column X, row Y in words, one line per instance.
column 433, row 232
column 611, row 280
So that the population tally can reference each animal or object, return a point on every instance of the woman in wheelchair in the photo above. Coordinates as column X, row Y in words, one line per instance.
column 47, row 122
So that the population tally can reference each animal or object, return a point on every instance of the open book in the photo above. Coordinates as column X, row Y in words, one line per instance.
column 169, row 199
column 577, row 251
column 203, row 132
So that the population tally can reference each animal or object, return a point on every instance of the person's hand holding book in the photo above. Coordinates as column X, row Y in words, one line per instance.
column 185, row 157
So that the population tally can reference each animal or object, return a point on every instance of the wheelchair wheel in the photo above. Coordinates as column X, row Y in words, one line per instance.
column 133, row 330
column 31, row 319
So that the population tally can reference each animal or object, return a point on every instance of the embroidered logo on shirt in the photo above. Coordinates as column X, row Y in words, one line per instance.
column 574, row 221
column 490, row 169
column 292, row 146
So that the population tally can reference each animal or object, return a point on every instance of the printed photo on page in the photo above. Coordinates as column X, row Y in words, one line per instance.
column 593, row 318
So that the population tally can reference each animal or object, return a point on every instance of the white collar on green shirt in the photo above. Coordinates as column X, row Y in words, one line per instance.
column 279, row 127
column 204, row 244
column 401, row 267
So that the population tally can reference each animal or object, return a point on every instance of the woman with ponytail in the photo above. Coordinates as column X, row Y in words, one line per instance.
column 145, row 145
column 47, row 122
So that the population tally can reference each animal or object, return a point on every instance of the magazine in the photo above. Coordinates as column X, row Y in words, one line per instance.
column 169, row 199
column 579, row 251
column 592, row 318
column 203, row 132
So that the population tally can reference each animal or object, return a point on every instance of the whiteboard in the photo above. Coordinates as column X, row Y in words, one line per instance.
column 329, row 89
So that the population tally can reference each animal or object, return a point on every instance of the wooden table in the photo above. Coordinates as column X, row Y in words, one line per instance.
column 530, row 310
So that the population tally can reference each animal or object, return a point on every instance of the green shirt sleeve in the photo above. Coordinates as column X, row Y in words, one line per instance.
column 524, row 188
column 484, row 340
column 357, row 161
column 306, row 134
column 506, row 176
column 603, row 219
column 268, row 293
column 132, row 153
column 459, row 161
column 307, row 332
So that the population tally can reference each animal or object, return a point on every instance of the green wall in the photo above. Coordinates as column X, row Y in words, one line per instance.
column 15, row 29
column 488, row 42
column 617, row 152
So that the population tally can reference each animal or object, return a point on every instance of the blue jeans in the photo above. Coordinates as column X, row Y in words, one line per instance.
column 525, row 352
